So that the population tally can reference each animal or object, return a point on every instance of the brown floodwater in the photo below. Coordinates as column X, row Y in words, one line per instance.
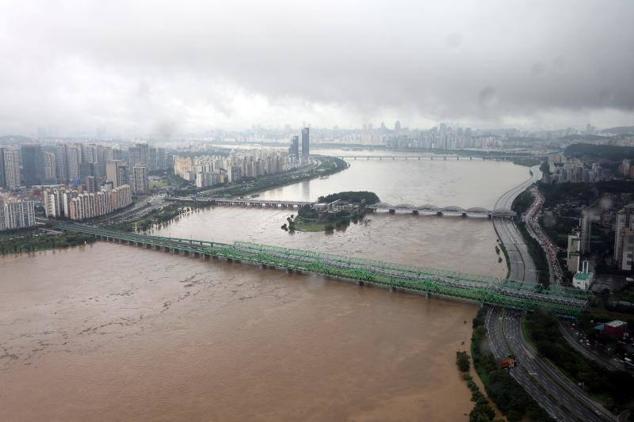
column 113, row 332
column 442, row 183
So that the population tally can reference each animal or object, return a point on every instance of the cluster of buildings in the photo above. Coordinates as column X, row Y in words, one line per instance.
column 210, row 170
column 296, row 155
column 78, row 205
column 579, row 242
column 562, row 169
column 76, row 164
column 442, row 137
column 16, row 213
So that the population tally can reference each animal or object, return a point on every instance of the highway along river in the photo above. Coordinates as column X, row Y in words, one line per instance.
column 113, row 332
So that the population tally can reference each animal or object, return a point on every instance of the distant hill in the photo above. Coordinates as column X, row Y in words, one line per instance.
column 583, row 138
column 605, row 152
column 14, row 139
column 621, row 130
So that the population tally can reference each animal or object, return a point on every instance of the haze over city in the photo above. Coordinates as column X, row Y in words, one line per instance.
column 163, row 69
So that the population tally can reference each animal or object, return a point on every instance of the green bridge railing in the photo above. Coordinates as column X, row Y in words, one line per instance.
column 449, row 284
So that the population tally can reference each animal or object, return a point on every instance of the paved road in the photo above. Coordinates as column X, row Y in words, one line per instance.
column 608, row 363
column 521, row 269
column 557, row 394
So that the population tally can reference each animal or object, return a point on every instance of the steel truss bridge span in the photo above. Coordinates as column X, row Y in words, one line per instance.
column 430, row 282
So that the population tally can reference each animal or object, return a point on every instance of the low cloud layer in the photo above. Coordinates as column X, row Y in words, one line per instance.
column 146, row 67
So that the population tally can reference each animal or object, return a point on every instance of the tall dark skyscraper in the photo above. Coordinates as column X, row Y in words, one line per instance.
column 305, row 144
column 32, row 166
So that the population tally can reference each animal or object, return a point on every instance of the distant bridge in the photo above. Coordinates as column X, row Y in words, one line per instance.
column 430, row 157
column 430, row 282
column 429, row 209
column 243, row 202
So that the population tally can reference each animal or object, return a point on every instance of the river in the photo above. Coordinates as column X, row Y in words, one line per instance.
column 112, row 332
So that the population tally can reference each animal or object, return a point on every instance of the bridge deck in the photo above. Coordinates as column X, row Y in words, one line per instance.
column 479, row 289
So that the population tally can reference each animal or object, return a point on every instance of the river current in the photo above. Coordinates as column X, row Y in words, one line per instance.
column 113, row 332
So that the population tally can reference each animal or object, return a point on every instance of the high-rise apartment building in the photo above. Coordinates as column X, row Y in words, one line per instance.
column 588, row 217
column 49, row 168
column 12, row 168
column 90, row 182
column 573, row 251
column 77, row 205
column 624, row 238
column 293, row 151
column 138, row 154
column 2, row 178
column 117, row 173
column 32, row 164
column 140, row 183
column 305, row 144
column 61, row 168
column 16, row 214
column 73, row 160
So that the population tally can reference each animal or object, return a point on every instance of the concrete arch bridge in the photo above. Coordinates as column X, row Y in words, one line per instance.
column 452, row 210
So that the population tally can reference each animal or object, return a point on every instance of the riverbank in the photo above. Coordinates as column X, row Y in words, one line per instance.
column 522, row 204
column 38, row 239
column 325, row 166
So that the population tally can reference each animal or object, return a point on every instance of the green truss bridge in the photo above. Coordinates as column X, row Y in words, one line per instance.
column 426, row 281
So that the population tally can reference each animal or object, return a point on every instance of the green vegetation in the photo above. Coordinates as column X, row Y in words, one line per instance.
column 361, row 197
column 462, row 360
column 598, row 152
column 311, row 219
column 523, row 202
column 500, row 246
column 37, row 240
column 154, row 218
column 482, row 410
column 612, row 388
column 507, row 394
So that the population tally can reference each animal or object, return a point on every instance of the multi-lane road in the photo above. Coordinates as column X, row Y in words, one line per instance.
column 552, row 390
column 521, row 269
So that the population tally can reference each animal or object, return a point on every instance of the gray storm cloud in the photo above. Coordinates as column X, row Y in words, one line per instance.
column 190, row 65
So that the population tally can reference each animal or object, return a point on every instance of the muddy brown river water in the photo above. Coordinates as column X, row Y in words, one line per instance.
column 113, row 332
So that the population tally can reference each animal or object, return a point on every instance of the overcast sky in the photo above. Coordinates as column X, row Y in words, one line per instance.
column 150, row 67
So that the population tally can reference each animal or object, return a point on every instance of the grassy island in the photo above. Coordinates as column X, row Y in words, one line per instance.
column 331, row 212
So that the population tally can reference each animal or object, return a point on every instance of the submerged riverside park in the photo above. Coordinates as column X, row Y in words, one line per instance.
column 225, row 340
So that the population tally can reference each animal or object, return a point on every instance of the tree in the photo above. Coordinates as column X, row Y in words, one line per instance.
column 462, row 360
